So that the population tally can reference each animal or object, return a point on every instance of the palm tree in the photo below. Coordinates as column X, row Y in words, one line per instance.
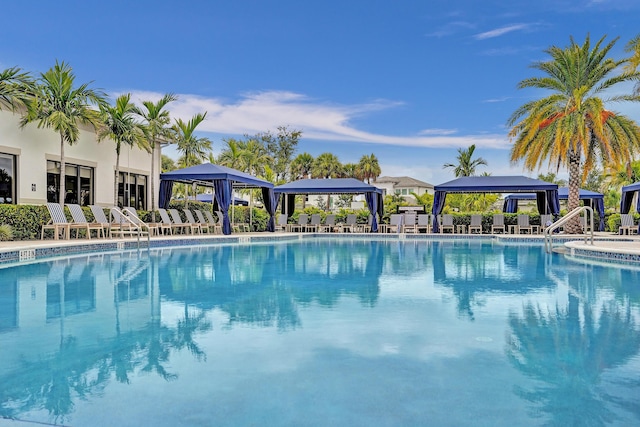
column 351, row 170
column 327, row 165
column 369, row 167
column 194, row 149
column 15, row 88
column 634, row 61
column 301, row 166
column 60, row 106
column 156, row 130
column 120, row 126
column 466, row 166
column 572, row 124
column 232, row 155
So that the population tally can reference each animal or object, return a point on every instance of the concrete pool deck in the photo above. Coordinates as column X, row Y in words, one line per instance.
column 606, row 245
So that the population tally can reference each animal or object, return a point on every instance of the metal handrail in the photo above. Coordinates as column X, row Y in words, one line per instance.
column 548, row 232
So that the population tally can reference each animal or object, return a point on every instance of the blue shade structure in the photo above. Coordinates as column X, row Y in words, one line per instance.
column 373, row 195
column 546, row 192
column 223, row 180
column 589, row 198
column 628, row 191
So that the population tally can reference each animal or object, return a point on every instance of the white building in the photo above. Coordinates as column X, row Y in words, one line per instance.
column 403, row 186
column 30, row 167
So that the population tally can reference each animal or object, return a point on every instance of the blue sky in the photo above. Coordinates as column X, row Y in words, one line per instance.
column 409, row 81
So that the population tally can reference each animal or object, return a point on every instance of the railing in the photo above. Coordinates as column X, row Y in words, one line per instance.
column 548, row 232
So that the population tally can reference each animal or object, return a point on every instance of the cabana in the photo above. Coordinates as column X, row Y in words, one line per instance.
column 373, row 195
column 546, row 192
column 589, row 198
column 223, row 180
column 626, row 200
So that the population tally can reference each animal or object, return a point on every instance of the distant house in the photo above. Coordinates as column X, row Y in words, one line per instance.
column 403, row 186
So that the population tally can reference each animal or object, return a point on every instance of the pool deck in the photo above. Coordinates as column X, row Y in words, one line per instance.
column 606, row 245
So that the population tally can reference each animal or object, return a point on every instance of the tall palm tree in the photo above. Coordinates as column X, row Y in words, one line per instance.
column 157, row 129
column 15, row 88
column 194, row 149
column 369, row 167
column 466, row 164
column 121, row 127
column 634, row 61
column 301, row 166
column 571, row 126
column 231, row 156
column 327, row 165
column 254, row 157
column 60, row 106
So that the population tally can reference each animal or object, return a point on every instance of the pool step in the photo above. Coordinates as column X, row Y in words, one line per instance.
column 561, row 249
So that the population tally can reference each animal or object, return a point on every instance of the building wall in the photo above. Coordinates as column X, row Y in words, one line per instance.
column 33, row 147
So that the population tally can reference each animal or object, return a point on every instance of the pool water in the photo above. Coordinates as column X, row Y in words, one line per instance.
column 321, row 332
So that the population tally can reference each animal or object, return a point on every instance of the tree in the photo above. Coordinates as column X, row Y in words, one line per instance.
column 369, row 167
column 634, row 61
column 552, row 178
column 280, row 148
column 301, row 166
column 351, row 170
column 60, row 106
column 232, row 155
column 194, row 149
column 327, row 165
column 157, row 129
column 167, row 164
column 15, row 88
column 466, row 165
column 119, row 124
column 571, row 126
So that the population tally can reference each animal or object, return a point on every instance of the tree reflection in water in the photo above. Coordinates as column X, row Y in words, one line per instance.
column 567, row 349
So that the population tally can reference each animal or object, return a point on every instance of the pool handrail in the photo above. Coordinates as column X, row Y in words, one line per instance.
column 548, row 232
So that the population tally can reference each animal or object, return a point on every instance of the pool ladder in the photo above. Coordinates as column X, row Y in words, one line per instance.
column 548, row 232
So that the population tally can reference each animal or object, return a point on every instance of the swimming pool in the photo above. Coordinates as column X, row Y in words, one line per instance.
column 321, row 332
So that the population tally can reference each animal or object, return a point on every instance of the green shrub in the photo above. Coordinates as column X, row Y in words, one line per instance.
column 6, row 232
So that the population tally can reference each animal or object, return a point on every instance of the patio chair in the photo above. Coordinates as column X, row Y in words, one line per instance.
column 100, row 217
column 329, row 224
column 626, row 225
column 58, row 223
column 498, row 224
column 475, row 224
column 301, row 225
column 447, row 223
column 423, row 223
column 395, row 224
column 79, row 218
column 166, row 219
column 523, row 224
column 350, row 225
column 151, row 228
column 177, row 219
column 217, row 220
column 316, row 221
column 409, row 222
column 281, row 222
column 123, row 225
column 210, row 227
column 191, row 220
column 546, row 220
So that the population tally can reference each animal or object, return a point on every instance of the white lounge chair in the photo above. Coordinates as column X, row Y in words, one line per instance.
column 423, row 223
column 447, row 223
column 395, row 224
column 151, row 228
column 523, row 224
column 80, row 218
column 58, row 223
column 209, row 226
column 626, row 225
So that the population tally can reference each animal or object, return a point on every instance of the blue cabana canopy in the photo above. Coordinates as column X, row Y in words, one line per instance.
column 628, row 191
column 223, row 180
column 594, row 199
column 546, row 192
column 208, row 198
column 373, row 195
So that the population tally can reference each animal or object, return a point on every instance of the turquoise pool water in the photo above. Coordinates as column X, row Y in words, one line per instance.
column 321, row 332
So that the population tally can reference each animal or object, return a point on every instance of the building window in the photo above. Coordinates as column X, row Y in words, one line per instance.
column 78, row 183
column 135, row 186
column 397, row 191
column 7, row 178
column 404, row 192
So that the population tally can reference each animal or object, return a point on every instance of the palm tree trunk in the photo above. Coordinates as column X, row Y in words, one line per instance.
column 574, row 226
column 63, row 167
column 153, row 180
column 117, row 178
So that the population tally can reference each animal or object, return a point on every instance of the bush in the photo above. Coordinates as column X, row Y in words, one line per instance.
column 6, row 232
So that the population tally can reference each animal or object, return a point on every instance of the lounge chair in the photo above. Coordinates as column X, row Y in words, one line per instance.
column 409, row 222
column 329, row 224
column 523, row 224
column 546, row 220
column 476, row 224
column 217, row 221
column 177, row 219
column 151, row 228
column 79, row 218
column 350, row 225
column 447, row 223
column 209, row 226
column 301, row 225
column 123, row 225
column 316, row 221
column 100, row 217
column 166, row 219
column 58, row 223
column 395, row 224
column 423, row 223
column 626, row 225
column 191, row 220
column 281, row 222
column 498, row 224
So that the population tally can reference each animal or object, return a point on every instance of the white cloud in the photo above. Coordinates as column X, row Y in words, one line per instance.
column 264, row 111
column 438, row 132
column 501, row 31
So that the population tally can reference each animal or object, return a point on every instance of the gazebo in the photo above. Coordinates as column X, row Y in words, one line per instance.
column 223, row 180
column 589, row 198
column 546, row 192
column 373, row 195
column 626, row 200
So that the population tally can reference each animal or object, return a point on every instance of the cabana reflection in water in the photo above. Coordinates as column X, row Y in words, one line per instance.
column 307, row 323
